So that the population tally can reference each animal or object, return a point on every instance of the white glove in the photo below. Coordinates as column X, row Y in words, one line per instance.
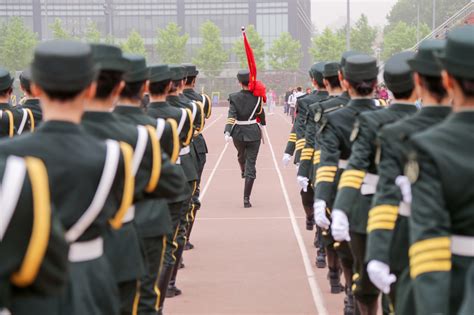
column 405, row 186
column 320, row 214
column 227, row 137
column 379, row 274
column 286, row 159
column 303, row 182
column 340, row 226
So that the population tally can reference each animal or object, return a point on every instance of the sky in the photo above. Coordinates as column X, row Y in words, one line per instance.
column 332, row 13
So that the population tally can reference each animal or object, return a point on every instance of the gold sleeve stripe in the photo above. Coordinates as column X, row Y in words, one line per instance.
column 380, row 225
column 324, row 179
column 430, row 244
column 11, row 124
column 354, row 173
column 302, row 140
column 327, row 168
column 316, row 160
column 41, row 229
column 433, row 266
column 326, row 173
column 351, row 179
column 308, row 150
column 383, row 209
column 128, row 187
column 190, row 131
column 292, row 141
column 156, row 165
column 426, row 257
column 174, row 130
column 32, row 119
column 305, row 158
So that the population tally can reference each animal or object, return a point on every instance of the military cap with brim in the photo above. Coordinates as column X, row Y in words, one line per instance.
column 424, row 62
column 398, row 75
column 331, row 69
column 6, row 80
column 137, row 69
column 243, row 76
column 317, row 71
column 109, row 57
column 457, row 58
column 177, row 72
column 360, row 68
column 63, row 65
column 25, row 78
column 190, row 69
column 159, row 73
column 346, row 55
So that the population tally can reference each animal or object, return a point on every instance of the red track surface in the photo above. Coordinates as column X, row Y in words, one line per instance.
column 249, row 261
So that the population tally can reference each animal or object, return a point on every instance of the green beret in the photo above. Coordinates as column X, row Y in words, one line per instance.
column 457, row 58
column 159, row 73
column 177, row 72
column 424, row 62
column 109, row 57
column 346, row 55
column 190, row 69
column 360, row 68
column 397, row 73
column 137, row 70
column 331, row 69
column 63, row 65
column 6, row 80
column 25, row 78
column 243, row 76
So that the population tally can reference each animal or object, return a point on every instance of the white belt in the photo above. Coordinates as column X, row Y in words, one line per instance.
column 130, row 215
column 369, row 187
column 462, row 245
column 343, row 164
column 404, row 209
column 185, row 150
column 245, row 122
column 84, row 251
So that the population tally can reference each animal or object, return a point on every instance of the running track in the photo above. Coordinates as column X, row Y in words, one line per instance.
column 258, row 260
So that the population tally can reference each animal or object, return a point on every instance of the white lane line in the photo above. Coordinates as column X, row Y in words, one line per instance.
column 315, row 290
column 285, row 119
column 212, row 123
column 211, row 176
column 247, row 218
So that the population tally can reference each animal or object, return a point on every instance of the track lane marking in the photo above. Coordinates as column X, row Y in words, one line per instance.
column 212, row 122
column 315, row 289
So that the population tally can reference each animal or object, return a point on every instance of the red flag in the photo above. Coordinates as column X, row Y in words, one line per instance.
column 256, row 87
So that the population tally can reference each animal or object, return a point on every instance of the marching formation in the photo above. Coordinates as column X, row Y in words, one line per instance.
column 389, row 188
column 99, row 194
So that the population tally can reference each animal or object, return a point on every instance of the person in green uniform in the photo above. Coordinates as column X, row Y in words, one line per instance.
column 440, row 171
column 90, row 180
column 360, row 73
column 387, row 240
column 155, row 176
column 32, row 245
column 152, row 215
column 200, row 145
column 7, row 112
column 31, row 108
column 244, row 118
column 358, row 182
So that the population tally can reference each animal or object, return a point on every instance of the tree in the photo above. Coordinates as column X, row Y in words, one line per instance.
column 170, row 45
column 406, row 11
column 17, row 43
column 134, row 44
column 211, row 56
column 58, row 31
column 258, row 47
column 92, row 34
column 285, row 53
column 401, row 37
column 363, row 36
column 328, row 46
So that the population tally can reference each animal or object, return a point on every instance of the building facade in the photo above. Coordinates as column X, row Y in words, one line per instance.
column 118, row 17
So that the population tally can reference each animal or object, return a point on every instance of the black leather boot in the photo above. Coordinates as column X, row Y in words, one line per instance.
column 248, row 191
column 335, row 281
column 321, row 257
column 309, row 222
column 242, row 170
column 163, row 283
column 349, row 306
column 172, row 290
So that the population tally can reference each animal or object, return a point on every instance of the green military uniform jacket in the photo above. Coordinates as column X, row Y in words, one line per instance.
column 311, row 154
column 302, row 116
column 442, row 215
column 335, row 145
column 34, row 114
column 360, row 177
column 33, row 249
column 155, row 177
column 244, row 106
column 8, row 118
column 199, row 141
column 153, row 217
column 291, row 145
column 75, row 162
